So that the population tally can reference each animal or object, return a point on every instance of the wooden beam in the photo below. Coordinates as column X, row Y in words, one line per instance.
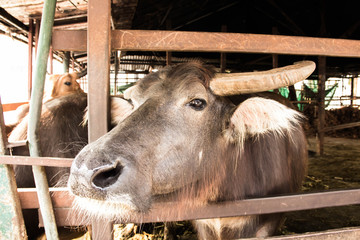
column 37, row 161
column 12, row 106
column 144, row 40
column 341, row 126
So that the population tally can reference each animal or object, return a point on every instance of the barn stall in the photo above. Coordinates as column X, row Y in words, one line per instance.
column 139, row 35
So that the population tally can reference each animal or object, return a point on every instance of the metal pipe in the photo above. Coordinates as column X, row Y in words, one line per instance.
column 35, row 112
column 66, row 61
column 30, row 54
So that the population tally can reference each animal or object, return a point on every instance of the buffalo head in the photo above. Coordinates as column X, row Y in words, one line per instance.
column 182, row 138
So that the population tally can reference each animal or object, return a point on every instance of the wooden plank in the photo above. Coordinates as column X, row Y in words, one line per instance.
column 37, row 161
column 167, row 211
column 75, row 40
column 146, row 40
column 60, row 198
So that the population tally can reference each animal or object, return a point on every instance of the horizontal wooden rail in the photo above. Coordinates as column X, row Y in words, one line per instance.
column 20, row 143
column 146, row 40
column 38, row 161
column 60, row 198
column 166, row 211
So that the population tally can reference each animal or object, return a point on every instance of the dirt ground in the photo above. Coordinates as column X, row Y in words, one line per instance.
column 338, row 168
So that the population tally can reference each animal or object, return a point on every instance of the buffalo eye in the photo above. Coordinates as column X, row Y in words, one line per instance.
column 67, row 83
column 197, row 104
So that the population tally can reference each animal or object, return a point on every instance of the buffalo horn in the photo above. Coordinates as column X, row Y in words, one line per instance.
column 82, row 73
column 249, row 82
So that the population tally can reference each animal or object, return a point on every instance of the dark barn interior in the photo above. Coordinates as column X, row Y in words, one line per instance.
column 336, row 22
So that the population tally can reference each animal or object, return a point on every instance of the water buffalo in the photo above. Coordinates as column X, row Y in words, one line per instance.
column 56, row 85
column 185, row 140
column 61, row 134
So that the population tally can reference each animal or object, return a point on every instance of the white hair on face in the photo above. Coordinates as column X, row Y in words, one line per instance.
column 257, row 116
column 107, row 210
column 217, row 225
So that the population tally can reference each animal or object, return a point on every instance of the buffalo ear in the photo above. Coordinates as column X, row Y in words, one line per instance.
column 257, row 116
column 120, row 109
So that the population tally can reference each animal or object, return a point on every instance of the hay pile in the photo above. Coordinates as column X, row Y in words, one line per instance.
column 335, row 117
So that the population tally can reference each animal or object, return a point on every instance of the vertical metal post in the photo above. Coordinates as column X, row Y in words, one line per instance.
column 30, row 55
column 11, row 220
column 66, row 61
column 116, row 70
column 321, row 105
column 352, row 92
column 37, row 28
column 34, row 116
column 98, row 46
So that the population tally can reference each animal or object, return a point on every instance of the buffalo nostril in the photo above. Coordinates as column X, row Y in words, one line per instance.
column 107, row 176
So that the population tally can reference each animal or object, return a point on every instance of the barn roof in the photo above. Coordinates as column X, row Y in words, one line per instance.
column 312, row 18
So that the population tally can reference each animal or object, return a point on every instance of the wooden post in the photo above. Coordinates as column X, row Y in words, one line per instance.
column 11, row 220
column 275, row 57
column 352, row 92
column 98, row 46
column 30, row 54
column 34, row 116
column 223, row 55
column 37, row 28
column 168, row 53
column 321, row 105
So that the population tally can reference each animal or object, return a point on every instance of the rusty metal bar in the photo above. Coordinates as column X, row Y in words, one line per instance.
column 99, row 53
column 34, row 116
column 30, row 54
column 51, row 61
column 146, row 40
column 37, row 161
column 167, row 211
column 37, row 29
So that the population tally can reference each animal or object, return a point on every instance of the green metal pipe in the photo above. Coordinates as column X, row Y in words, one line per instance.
column 42, row 55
